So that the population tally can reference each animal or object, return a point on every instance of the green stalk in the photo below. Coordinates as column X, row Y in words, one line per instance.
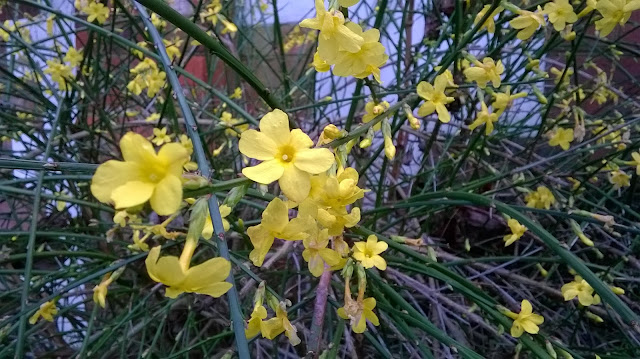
column 192, row 129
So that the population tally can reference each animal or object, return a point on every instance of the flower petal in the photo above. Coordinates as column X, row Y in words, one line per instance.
column 173, row 156
column 314, row 161
column 295, row 183
column 132, row 194
column 257, row 145
column 167, row 196
column 210, row 272
column 276, row 216
column 136, row 148
column 265, row 172
column 299, row 140
column 262, row 241
column 275, row 125
column 111, row 175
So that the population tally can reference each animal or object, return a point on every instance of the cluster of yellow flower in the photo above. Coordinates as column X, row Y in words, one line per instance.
column 20, row 27
column 344, row 45
column 147, row 76
column 95, row 10
column 212, row 14
column 322, row 192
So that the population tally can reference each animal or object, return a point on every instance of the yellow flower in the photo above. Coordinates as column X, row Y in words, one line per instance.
column 10, row 27
column 371, row 54
column 614, row 12
column 503, row 100
column 229, row 27
column 273, row 327
column 435, row 98
column 619, row 179
column 233, row 124
column 525, row 321
column 172, row 47
column 73, row 57
column 47, row 311
column 562, row 137
column 59, row 72
column 160, row 136
column 542, row 198
column 485, row 71
column 581, row 289
column 517, row 230
column 142, row 176
column 359, row 312
column 100, row 291
column 317, row 254
column 484, row 118
column 275, row 224
column 237, row 93
column 489, row 24
column 255, row 322
column 287, row 156
column 207, row 231
column 155, row 82
column 560, row 13
column 368, row 253
column 372, row 110
column 96, row 11
column 157, row 21
column 206, row 278
column 334, row 35
column 528, row 22
column 636, row 161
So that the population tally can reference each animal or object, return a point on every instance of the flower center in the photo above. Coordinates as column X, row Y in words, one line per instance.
column 286, row 153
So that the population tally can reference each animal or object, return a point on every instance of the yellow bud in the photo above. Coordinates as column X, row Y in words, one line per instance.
column 332, row 132
column 617, row 290
column 543, row 272
column 389, row 148
column 594, row 317
column 365, row 143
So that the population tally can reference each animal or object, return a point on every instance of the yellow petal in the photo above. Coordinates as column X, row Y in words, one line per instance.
column 132, row 194
column 167, row 196
column 173, row 156
column 530, row 327
column 111, row 175
column 342, row 313
column 379, row 262
column 314, row 161
column 299, row 140
column 210, row 272
column 257, row 145
column 275, row 125
column 295, row 183
column 275, row 217
column 360, row 326
column 262, row 241
column 215, row 290
column 272, row 328
column 136, row 148
column 264, row 173
column 525, row 307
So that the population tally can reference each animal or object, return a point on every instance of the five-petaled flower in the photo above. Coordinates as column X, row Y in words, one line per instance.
column 561, row 137
column 47, row 311
column 368, row 253
column 358, row 312
column 287, row 156
column 435, row 98
column 143, row 176
column 517, row 231
column 580, row 288
column 525, row 321
column 485, row 71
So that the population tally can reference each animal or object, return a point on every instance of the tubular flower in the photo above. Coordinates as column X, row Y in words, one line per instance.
column 489, row 23
column 143, row 176
column 205, row 278
column 517, row 231
column 359, row 311
column 528, row 22
column 581, row 289
column 525, row 321
column 542, row 198
column 334, row 35
column 100, row 291
column 73, row 57
column 255, row 321
column 503, row 100
column 207, row 231
column 275, row 224
column 619, row 179
column 59, row 72
column 484, row 118
column 160, row 136
column 273, row 327
column 286, row 155
column 368, row 253
column 562, row 137
column 435, row 98
column 560, row 14
column 47, row 311
column 614, row 12
column 636, row 161
column 372, row 52
column 372, row 110
column 317, row 254
column 485, row 71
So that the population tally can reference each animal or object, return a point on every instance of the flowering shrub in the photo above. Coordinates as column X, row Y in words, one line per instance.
column 376, row 179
